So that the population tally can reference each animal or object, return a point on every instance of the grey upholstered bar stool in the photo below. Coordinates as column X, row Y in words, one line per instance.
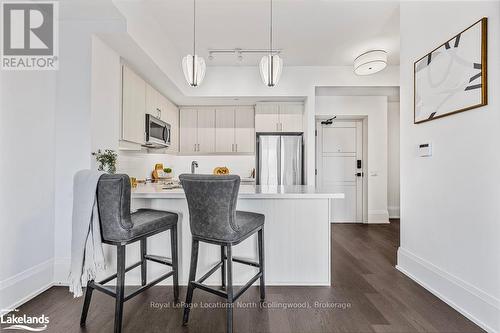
column 213, row 219
column 120, row 227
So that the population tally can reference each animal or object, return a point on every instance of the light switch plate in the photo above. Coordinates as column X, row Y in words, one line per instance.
column 425, row 149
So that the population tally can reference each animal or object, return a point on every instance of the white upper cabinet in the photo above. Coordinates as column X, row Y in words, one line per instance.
column 139, row 98
column 244, row 124
column 170, row 114
column 206, row 130
column 279, row 117
column 234, row 129
column 188, row 130
column 154, row 102
column 291, row 115
column 197, row 128
column 133, row 107
column 224, row 129
column 267, row 118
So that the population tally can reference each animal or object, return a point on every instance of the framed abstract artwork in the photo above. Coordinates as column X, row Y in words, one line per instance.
column 453, row 77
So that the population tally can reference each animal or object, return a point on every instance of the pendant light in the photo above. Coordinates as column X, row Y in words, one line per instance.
column 271, row 64
column 194, row 67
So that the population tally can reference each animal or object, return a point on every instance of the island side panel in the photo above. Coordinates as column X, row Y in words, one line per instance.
column 297, row 242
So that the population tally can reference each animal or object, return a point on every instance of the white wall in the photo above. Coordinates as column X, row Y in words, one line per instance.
column 393, row 191
column 105, row 94
column 73, row 123
column 450, row 211
column 375, row 109
column 27, row 184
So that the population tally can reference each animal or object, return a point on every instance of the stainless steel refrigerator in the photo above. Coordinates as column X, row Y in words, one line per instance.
column 280, row 159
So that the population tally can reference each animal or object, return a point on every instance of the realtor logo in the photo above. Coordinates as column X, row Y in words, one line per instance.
column 30, row 35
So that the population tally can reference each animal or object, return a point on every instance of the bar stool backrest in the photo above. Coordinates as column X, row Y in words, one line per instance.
column 113, row 201
column 212, row 204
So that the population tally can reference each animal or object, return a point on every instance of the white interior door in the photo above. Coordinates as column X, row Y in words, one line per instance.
column 340, row 147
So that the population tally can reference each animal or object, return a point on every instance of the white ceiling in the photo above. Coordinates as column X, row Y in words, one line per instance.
column 310, row 32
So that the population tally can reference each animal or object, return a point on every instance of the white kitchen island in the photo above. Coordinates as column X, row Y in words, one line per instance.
column 296, row 234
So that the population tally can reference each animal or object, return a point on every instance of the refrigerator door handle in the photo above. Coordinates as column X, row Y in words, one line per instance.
column 278, row 158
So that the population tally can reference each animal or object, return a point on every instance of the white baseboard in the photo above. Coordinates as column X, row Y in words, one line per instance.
column 378, row 216
column 394, row 212
column 22, row 287
column 61, row 271
column 475, row 304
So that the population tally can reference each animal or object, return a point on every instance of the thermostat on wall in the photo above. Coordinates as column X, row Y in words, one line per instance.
column 425, row 149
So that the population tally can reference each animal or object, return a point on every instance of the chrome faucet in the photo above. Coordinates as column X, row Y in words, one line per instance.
column 194, row 165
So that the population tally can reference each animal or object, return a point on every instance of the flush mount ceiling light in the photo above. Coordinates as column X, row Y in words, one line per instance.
column 271, row 64
column 370, row 62
column 193, row 66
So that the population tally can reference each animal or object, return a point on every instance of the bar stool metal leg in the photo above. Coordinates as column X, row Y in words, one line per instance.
column 120, row 288
column 192, row 278
column 223, row 267
column 262, row 286
column 86, row 303
column 175, row 263
column 229, row 290
column 143, row 261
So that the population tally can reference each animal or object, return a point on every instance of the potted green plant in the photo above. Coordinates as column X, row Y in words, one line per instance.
column 168, row 172
column 106, row 160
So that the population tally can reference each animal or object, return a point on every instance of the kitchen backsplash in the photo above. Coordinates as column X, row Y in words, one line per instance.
column 140, row 165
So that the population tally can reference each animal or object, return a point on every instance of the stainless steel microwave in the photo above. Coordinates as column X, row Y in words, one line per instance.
column 158, row 133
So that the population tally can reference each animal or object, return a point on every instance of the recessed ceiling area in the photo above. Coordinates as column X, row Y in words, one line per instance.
column 310, row 33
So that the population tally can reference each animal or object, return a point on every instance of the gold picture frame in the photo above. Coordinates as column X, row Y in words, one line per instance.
column 428, row 101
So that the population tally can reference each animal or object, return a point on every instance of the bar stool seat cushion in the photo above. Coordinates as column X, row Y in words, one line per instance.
column 248, row 223
column 146, row 221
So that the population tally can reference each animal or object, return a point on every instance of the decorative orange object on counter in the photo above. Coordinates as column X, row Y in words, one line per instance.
column 221, row 171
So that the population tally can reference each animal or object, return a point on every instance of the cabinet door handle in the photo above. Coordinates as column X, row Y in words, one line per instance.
column 277, row 127
column 232, row 147
column 236, row 147
column 198, row 147
column 194, row 147
column 281, row 127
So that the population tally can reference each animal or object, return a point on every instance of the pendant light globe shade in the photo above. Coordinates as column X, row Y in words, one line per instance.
column 194, row 68
column 271, row 66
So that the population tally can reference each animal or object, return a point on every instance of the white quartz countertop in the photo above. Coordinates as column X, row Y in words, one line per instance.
column 158, row 191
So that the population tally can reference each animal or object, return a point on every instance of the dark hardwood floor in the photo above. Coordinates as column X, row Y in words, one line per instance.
column 368, row 295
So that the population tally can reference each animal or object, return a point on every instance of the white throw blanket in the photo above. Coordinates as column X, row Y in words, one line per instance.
column 87, row 256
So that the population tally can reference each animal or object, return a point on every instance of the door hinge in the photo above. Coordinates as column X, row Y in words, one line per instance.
column 316, row 172
column 315, row 132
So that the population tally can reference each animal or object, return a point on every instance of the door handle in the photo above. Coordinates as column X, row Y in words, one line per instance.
column 359, row 174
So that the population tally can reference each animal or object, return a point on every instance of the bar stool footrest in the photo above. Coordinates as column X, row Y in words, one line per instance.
column 158, row 259
column 246, row 262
